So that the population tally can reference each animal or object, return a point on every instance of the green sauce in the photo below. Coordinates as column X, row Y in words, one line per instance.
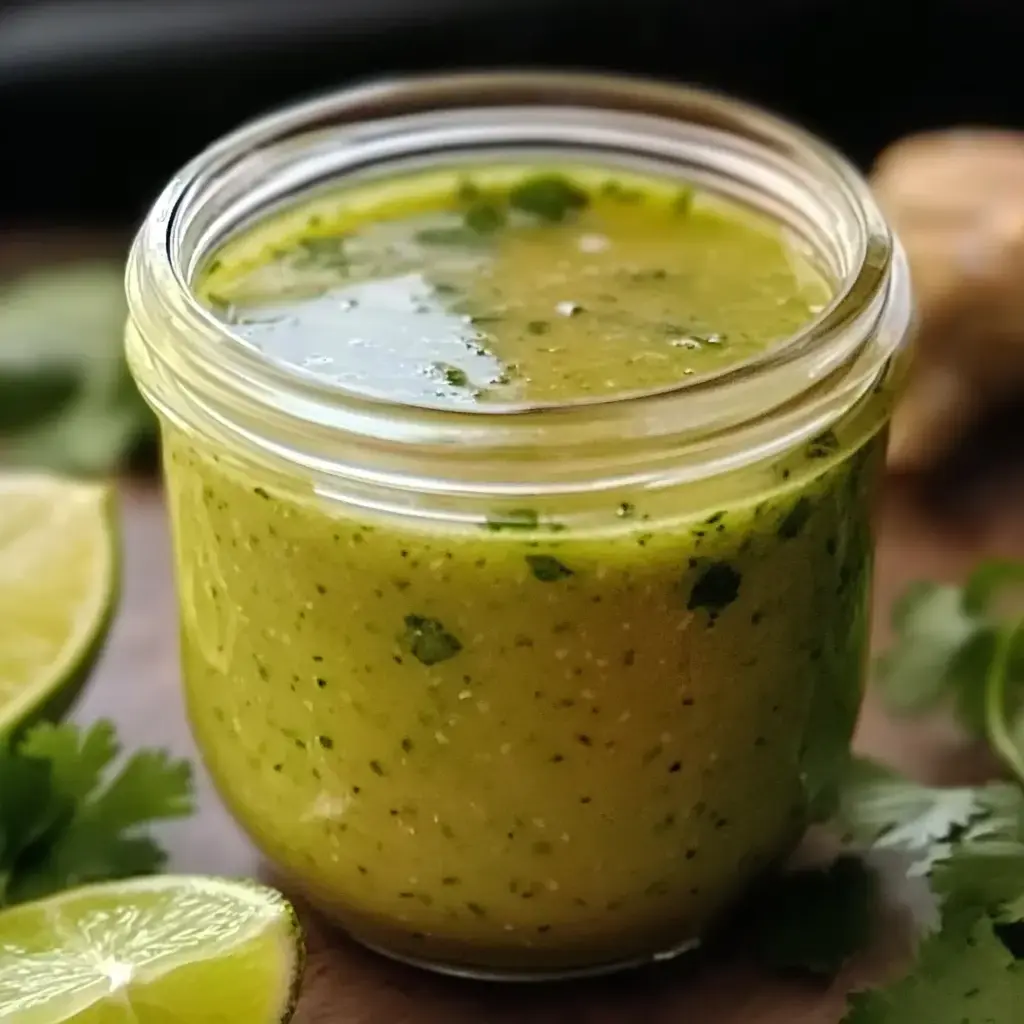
column 516, row 288
column 516, row 744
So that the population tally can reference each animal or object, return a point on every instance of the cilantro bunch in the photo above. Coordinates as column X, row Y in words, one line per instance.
column 70, row 814
column 958, row 648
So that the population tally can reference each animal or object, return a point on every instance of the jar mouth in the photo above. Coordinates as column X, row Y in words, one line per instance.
column 352, row 136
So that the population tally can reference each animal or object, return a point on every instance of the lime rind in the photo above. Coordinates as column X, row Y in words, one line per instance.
column 157, row 949
column 60, row 681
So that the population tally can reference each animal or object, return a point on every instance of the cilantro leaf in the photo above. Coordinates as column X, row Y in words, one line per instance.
column 29, row 812
column 69, row 815
column 963, row 646
column 77, row 759
column 969, row 844
column 880, row 808
column 811, row 921
column 932, row 627
column 67, row 400
column 964, row 975
column 1004, row 700
column 988, row 581
column 987, row 874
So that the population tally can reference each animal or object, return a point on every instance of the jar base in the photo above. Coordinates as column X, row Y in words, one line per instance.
column 473, row 972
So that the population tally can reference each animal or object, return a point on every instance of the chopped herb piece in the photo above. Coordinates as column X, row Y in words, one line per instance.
column 716, row 589
column 453, row 375
column 795, row 519
column 965, row 974
column 551, row 197
column 626, row 510
column 823, row 445
column 538, row 327
column 514, row 519
column 428, row 641
column 448, row 236
column 683, row 202
column 485, row 218
column 621, row 193
column 548, row 569
column 327, row 251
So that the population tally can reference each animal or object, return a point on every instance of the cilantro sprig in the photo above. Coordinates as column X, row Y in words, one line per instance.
column 960, row 648
column 73, row 812
column 964, row 975
column 964, row 646
column 968, row 844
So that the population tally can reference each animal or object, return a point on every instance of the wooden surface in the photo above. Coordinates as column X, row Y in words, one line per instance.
column 137, row 685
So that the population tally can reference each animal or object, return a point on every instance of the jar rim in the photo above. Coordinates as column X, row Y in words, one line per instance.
column 183, row 355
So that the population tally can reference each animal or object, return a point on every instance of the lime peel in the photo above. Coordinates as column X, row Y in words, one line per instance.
column 59, row 582
column 203, row 950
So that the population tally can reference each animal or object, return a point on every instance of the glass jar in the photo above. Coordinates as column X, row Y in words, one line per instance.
column 466, row 768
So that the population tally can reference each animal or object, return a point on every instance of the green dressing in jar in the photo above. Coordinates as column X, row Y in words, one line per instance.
column 522, row 715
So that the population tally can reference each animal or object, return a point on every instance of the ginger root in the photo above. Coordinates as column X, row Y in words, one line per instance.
column 956, row 200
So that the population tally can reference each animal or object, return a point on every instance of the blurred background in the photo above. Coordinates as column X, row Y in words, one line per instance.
column 103, row 99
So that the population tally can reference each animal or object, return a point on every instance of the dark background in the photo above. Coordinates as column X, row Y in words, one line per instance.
column 103, row 99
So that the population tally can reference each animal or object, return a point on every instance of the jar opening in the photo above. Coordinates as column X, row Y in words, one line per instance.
column 786, row 394
column 506, row 280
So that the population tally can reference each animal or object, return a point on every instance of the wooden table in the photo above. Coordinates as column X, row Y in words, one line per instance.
column 137, row 685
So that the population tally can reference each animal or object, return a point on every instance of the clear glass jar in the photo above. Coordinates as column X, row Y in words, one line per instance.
column 577, row 778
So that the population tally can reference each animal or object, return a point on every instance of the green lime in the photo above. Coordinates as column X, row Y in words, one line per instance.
column 162, row 950
column 59, row 570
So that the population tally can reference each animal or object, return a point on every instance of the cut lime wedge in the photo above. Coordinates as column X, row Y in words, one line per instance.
column 162, row 950
column 58, row 587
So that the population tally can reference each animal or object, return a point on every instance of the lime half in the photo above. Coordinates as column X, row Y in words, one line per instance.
column 161, row 950
column 58, row 586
